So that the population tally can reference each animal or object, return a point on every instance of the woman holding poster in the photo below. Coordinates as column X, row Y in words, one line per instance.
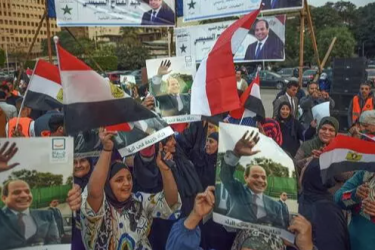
column 115, row 218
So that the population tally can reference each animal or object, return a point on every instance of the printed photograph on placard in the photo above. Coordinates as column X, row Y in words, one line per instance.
column 265, row 41
column 256, row 186
column 115, row 12
column 210, row 9
column 36, row 175
column 170, row 83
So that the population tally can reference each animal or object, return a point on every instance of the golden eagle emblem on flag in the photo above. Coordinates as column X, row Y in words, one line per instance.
column 116, row 91
column 353, row 156
column 60, row 95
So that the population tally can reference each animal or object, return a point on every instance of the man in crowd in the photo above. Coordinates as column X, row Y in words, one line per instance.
column 268, row 44
column 314, row 98
column 160, row 13
column 25, row 124
column 173, row 102
column 41, row 123
column 282, row 201
column 30, row 226
column 248, row 202
column 9, row 110
column 56, row 125
column 53, row 206
column 290, row 97
column 241, row 83
column 11, row 94
column 363, row 101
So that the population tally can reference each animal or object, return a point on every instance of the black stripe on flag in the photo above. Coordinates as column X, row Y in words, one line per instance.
column 345, row 166
column 91, row 115
column 255, row 105
column 39, row 101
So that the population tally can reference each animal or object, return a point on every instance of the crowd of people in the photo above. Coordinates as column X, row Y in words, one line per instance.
column 162, row 196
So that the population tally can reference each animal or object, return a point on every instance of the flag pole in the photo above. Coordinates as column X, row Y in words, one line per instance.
column 24, row 97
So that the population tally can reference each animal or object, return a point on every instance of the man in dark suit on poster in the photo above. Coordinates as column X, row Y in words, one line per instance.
column 268, row 45
column 248, row 202
column 281, row 4
column 22, row 226
column 160, row 13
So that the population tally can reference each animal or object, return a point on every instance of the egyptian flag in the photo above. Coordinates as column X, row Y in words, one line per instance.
column 346, row 154
column 251, row 102
column 45, row 90
column 90, row 101
column 214, row 89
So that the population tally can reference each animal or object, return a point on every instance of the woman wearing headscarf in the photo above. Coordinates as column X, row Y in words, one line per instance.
column 292, row 130
column 148, row 179
column 82, row 171
column 326, row 132
column 112, row 216
column 316, row 204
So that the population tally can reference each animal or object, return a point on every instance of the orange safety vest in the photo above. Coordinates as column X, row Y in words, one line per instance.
column 356, row 111
column 23, row 124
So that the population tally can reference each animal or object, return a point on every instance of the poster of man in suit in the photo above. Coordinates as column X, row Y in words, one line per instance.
column 253, row 178
column 170, row 84
column 34, row 187
column 160, row 13
column 268, row 44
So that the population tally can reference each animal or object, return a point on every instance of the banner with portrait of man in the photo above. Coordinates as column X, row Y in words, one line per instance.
column 170, row 83
column 195, row 10
column 265, row 41
column 255, row 184
column 36, row 175
column 115, row 13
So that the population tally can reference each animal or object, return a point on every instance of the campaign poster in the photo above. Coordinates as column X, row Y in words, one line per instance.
column 254, row 191
column 170, row 83
column 143, row 13
column 35, row 177
column 195, row 10
column 265, row 41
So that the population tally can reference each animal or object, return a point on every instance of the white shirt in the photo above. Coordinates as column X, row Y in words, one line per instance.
column 155, row 12
column 291, row 103
column 261, row 211
column 30, row 226
column 261, row 46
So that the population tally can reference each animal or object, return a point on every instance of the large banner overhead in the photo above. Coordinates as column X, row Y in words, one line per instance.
column 195, row 10
column 115, row 13
column 265, row 41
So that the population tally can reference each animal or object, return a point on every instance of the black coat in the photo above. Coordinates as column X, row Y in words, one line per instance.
column 272, row 49
column 164, row 16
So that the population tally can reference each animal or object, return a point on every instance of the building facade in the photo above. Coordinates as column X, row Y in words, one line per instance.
column 19, row 20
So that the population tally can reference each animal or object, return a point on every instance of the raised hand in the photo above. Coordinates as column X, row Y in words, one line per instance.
column 204, row 202
column 149, row 102
column 160, row 160
column 244, row 147
column 106, row 139
column 164, row 68
column 6, row 154
column 303, row 230
column 74, row 199
column 369, row 206
column 363, row 191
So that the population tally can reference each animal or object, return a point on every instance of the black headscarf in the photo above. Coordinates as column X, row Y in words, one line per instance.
column 82, row 181
column 289, row 121
column 130, row 204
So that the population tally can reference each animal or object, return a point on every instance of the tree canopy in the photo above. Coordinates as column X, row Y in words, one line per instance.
column 36, row 179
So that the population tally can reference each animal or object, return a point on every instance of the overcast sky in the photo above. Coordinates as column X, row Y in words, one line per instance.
column 358, row 3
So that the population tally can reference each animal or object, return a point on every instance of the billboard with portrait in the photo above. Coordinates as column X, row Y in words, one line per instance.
column 80, row 13
column 170, row 83
column 254, row 189
column 195, row 10
column 35, row 177
column 265, row 41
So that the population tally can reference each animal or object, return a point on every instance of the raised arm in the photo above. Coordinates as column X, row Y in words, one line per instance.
column 169, row 183
column 99, row 175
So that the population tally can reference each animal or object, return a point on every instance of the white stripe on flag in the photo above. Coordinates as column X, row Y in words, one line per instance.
column 237, row 38
column 199, row 100
column 339, row 155
column 79, row 85
column 255, row 91
column 44, row 86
